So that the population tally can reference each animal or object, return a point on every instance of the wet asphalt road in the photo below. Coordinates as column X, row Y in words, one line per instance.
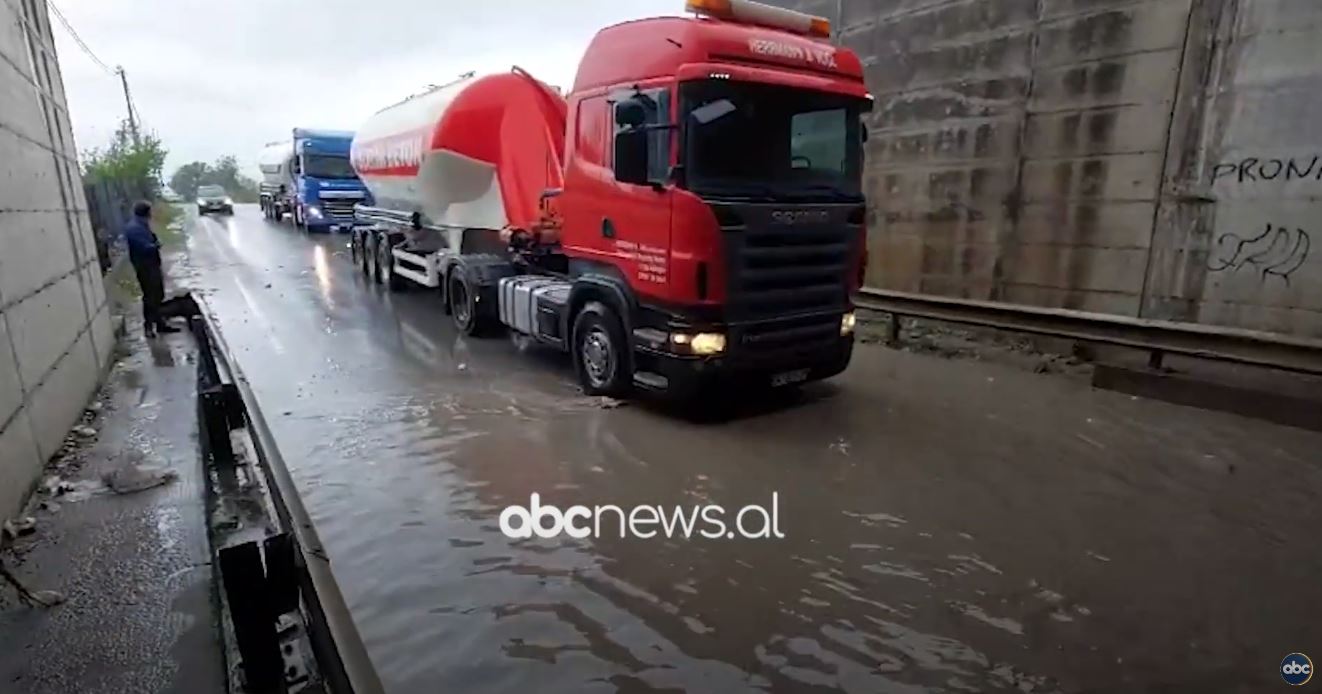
column 950, row 525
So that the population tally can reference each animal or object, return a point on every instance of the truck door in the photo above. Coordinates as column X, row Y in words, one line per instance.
column 632, row 221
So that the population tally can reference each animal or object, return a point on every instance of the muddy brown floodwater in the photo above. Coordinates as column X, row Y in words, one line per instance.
column 949, row 526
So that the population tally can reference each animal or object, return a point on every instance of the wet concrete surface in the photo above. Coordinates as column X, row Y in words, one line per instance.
column 135, row 568
column 949, row 525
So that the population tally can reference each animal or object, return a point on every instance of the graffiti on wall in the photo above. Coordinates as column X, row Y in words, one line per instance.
column 1253, row 169
column 1275, row 252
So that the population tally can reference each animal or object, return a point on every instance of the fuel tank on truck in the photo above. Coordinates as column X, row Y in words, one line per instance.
column 274, row 161
column 474, row 154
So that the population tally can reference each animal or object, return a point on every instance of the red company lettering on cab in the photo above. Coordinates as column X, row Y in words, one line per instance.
column 823, row 57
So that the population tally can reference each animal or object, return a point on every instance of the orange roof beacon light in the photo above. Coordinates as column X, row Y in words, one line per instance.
column 749, row 12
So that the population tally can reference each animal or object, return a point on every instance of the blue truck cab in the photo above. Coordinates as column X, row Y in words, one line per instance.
column 323, row 186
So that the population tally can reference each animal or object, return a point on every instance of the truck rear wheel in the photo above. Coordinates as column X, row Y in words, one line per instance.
column 462, row 300
column 600, row 351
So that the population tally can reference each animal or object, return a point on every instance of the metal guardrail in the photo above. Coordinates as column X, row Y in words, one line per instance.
column 297, row 572
column 1156, row 337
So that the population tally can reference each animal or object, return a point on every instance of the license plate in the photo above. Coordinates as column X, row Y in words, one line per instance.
column 788, row 377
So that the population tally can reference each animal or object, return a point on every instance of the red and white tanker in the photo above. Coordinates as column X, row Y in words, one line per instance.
column 692, row 211
column 455, row 166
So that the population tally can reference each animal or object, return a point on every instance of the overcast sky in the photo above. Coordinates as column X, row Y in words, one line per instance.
column 215, row 78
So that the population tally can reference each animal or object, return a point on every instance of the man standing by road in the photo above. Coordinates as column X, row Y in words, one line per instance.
column 145, row 254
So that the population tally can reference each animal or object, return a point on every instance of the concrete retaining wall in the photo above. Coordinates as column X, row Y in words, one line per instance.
column 55, row 330
column 1154, row 158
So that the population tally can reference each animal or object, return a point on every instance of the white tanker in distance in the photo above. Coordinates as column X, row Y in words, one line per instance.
column 275, row 161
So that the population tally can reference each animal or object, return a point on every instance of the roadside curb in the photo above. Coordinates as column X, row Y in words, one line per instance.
column 285, row 620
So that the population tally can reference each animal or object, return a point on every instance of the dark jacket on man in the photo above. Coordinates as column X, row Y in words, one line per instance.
column 145, row 254
column 142, row 242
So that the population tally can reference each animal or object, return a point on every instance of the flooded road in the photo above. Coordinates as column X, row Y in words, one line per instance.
column 949, row 526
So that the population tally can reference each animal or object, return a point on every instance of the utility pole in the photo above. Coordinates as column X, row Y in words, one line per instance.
column 128, row 103
column 839, row 22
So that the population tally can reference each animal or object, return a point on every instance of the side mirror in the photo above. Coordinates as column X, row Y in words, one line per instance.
column 631, row 156
column 630, row 113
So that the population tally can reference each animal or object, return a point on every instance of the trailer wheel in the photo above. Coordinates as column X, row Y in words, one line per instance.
column 365, row 254
column 600, row 351
column 353, row 247
column 371, row 267
column 385, row 265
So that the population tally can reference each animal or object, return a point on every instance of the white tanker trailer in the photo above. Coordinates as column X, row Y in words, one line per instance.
column 274, row 161
column 452, row 168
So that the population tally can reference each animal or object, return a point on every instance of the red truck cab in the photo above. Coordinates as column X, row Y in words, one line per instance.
column 712, row 194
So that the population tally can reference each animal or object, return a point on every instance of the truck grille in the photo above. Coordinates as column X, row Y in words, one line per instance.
column 781, row 341
column 339, row 210
column 786, row 262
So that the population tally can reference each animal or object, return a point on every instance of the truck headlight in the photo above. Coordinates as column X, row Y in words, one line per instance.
column 707, row 343
column 847, row 323
column 314, row 211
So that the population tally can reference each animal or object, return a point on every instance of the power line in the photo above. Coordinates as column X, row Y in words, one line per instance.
column 133, row 113
column 78, row 39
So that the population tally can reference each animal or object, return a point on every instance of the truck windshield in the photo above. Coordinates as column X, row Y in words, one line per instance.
column 327, row 166
column 760, row 140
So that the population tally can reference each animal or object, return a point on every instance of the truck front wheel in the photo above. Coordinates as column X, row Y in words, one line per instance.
column 600, row 351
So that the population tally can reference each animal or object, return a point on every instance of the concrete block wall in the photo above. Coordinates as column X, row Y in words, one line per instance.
column 1239, row 238
column 1091, row 154
column 55, row 329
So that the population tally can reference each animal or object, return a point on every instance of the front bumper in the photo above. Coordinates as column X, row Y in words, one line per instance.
column 684, row 376
column 334, row 221
column 329, row 225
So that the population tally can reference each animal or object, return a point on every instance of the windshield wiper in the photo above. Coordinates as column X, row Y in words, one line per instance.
column 744, row 190
column 832, row 190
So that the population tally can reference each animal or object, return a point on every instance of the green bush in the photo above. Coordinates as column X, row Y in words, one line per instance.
column 132, row 163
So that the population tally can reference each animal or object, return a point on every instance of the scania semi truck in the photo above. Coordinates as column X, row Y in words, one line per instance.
column 691, row 212
column 309, row 178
